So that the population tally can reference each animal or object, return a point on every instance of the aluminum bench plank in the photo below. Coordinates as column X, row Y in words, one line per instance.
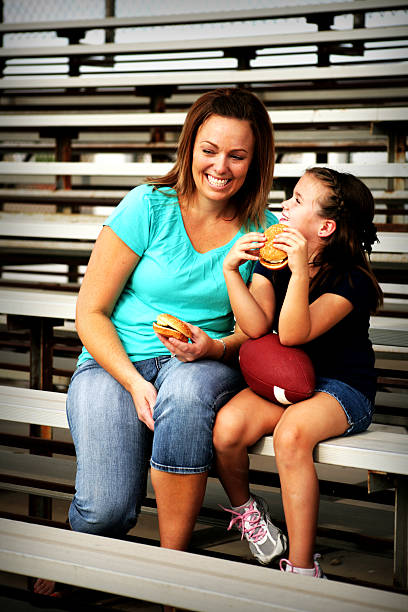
column 173, row 577
column 51, row 225
column 21, row 121
column 33, row 406
column 273, row 12
column 133, row 169
column 372, row 450
column 209, row 77
column 88, row 196
column 48, row 407
column 87, row 227
column 198, row 44
column 40, row 468
column 38, row 303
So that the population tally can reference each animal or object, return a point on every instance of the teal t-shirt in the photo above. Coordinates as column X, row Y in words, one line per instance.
column 171, row 275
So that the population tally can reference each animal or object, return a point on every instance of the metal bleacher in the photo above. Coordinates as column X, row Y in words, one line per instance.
column 333, row 76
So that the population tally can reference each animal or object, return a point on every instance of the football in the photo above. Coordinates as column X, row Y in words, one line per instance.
column 282, row 374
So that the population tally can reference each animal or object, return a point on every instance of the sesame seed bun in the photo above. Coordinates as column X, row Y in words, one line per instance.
column 171, row 327
column 270, row 256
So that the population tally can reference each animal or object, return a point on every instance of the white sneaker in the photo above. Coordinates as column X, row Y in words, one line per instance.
column 266, row 541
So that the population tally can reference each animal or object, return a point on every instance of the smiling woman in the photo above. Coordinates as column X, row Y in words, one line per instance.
column 130, row 401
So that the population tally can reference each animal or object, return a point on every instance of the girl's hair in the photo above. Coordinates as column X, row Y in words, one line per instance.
column 251, row 200
column 350, row 204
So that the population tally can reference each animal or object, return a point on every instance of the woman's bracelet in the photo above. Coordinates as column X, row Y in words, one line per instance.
column 224, row 349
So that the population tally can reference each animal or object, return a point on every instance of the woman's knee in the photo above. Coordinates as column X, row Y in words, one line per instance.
column 107, row 515
column 188, row 399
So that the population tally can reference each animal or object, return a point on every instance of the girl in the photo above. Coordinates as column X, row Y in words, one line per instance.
column 321, row 301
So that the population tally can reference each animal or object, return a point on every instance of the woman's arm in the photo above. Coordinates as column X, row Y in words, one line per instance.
column 109, row 267
column 253, row 307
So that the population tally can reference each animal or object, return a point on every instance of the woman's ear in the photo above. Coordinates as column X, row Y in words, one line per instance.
column 327, row 228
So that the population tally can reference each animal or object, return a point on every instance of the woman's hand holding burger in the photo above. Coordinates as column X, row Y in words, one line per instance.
column 175, row 335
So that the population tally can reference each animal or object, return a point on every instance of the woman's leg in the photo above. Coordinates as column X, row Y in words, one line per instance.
column 189, row 395
column 112, row 448
column 301, row 427
column 179, row 498
column 239, row 424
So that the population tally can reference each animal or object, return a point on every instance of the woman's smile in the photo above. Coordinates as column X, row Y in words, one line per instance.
column 217, row 182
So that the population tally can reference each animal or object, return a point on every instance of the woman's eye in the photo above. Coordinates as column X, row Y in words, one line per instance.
column 239, row 157
column 208, row 151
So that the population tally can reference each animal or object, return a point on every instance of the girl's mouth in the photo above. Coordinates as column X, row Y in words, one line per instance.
column 217, row 182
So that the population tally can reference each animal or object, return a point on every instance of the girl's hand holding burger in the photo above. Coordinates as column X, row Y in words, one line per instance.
column 295, row 245
column 246, row 248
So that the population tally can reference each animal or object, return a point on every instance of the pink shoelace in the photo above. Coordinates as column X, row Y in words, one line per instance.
column 248, row 523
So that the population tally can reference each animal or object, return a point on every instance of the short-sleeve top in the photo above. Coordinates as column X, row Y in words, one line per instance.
column 171, row 276
column 344, row 352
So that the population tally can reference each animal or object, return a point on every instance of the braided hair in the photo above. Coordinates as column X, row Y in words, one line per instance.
column 350, row 203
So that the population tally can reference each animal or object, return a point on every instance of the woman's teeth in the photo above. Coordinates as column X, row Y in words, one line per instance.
column 217, row 182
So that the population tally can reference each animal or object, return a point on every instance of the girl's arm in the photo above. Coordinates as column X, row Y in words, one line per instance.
column 110, row 266
column 253, row 308
column 300, row 322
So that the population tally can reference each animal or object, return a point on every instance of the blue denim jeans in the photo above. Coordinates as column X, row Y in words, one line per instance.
column 114, row 448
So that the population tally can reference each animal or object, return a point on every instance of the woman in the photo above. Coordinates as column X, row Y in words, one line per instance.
column 321, row 301
column 136, row 397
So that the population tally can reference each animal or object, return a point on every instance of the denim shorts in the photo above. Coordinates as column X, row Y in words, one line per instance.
column 357, row 407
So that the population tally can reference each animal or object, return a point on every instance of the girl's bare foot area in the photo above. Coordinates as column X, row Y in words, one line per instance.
column 46, row 587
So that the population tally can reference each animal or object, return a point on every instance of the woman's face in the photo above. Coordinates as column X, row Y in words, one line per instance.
column 222, row 154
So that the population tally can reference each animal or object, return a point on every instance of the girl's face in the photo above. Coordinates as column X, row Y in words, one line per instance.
column 301, row 210
column 222, row 154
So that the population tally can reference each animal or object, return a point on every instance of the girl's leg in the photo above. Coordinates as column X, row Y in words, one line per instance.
column 189, row 395
column 239, row 424
column 301, row 427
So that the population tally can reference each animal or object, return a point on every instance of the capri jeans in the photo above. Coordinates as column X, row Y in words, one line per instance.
column 113, row 447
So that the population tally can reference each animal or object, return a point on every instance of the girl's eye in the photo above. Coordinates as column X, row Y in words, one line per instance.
column 239, row 157
column 208, row 151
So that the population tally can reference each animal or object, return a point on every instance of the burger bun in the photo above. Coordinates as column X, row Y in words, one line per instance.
column 172, row 327
column 269, row 255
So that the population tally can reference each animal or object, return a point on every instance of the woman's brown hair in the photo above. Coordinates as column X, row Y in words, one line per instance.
column 251, row 200
column 350, row 204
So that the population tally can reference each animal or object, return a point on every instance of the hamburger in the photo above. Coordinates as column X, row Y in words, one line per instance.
column 171, row 327
column 270, row 256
